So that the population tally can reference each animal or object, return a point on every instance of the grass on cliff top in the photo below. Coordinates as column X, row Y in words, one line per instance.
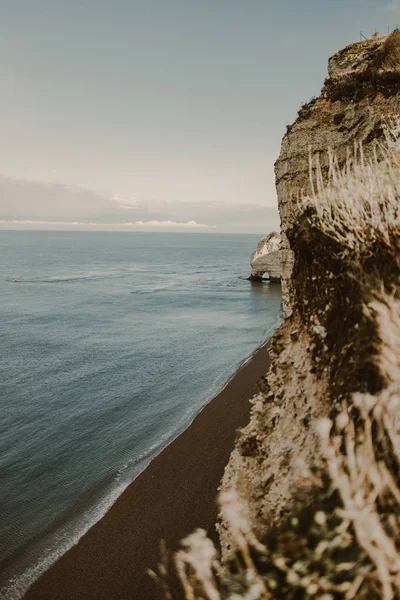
column 378, row 71
column 389, row 58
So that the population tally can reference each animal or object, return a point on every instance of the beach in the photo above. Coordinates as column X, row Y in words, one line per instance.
column 173, row 496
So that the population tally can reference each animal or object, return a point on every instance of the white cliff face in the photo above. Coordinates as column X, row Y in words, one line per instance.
column 267, row 258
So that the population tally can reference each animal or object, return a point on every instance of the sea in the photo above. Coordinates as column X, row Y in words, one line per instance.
column 110, row 344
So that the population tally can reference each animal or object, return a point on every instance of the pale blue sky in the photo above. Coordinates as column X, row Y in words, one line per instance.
column 166, row 101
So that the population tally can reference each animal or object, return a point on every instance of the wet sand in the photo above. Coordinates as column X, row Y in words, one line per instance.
column 173, row 496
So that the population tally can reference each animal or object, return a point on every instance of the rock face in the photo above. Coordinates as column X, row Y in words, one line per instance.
column 359, row 96
column 267, row 259
column 310, row 499
column 322, row 352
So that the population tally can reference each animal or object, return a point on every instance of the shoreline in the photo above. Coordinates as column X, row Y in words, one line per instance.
column 111, row 559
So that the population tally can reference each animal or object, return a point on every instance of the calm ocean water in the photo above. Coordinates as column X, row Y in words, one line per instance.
column 109, row 347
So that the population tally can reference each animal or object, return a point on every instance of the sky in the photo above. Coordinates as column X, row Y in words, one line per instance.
column 160, row 114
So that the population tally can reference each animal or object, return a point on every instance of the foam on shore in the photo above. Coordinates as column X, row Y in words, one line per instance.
column 61, row 541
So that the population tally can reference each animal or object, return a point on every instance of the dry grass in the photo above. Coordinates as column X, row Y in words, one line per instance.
column 363, row 457
column 345, row 543
column 390, row 54
column 376, row 68
column 196, row 564
column 359, row 208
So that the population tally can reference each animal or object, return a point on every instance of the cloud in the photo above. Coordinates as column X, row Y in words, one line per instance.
column 127, row 206
column 127, row 202
column 33, row 205
column 188, row 225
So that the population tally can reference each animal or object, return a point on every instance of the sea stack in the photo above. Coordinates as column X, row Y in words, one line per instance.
column 267, row 259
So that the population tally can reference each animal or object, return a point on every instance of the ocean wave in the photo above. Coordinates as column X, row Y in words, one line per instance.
column 80, row 277
column 65, row 538
column 107, row 371
column 54, row 280
column 62, row 540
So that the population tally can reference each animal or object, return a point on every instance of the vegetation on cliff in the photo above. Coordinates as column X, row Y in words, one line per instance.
column 310, row 500
column 344, row 541
column 377, row 66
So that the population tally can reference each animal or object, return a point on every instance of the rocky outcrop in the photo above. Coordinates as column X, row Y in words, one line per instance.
column 359, row 96
column 310, row 499
column 267, row 259
column 317, row 355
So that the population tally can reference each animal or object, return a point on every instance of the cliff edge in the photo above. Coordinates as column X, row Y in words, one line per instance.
column 316, row 356
column 359, row 96
column 310, row 499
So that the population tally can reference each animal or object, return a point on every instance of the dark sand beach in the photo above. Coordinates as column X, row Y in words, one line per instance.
column 173, row 496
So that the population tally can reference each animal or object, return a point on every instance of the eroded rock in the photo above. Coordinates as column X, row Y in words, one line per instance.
column 322, row 351
column 267, row 259
column 359, row 97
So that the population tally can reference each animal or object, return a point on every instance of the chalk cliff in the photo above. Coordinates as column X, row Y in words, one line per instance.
column 310, row 499
column 267, row 259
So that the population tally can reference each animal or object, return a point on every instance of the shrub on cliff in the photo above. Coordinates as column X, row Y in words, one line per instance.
column 390, row 55
column 377, row 72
